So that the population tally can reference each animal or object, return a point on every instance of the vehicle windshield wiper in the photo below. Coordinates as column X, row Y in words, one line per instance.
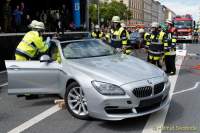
column 89, row 56
column 74, row 57
column 98, row 55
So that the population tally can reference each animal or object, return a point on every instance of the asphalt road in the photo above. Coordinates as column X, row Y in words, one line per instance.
column 183, row 113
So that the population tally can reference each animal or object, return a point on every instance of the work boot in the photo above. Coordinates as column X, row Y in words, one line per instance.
column 172, row 73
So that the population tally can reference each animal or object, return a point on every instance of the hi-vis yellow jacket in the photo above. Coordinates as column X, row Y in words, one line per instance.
column 31, row 45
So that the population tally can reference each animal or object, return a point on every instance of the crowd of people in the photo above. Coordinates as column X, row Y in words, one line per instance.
column 15, row 20
column 159, row 42
column 18, row 19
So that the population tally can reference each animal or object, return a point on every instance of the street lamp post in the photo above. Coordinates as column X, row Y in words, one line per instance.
column 98, row 12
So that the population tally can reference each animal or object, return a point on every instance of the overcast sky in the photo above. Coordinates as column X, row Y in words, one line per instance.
column 181, row 7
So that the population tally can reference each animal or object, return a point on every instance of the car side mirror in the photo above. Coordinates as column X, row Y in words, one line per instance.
column 45, row 58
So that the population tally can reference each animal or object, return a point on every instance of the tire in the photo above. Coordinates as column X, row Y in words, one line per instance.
column 75, row 103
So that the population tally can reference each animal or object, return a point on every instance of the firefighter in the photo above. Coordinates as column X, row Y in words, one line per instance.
column 170, row 56
column 144, row 41
column 145, row 38
column 170, row 49
column 147, row 43
column 115, row 32
column 196, row 36
column 141, row 34
column 124, row 37
column 97, row 34
column 32, row 44
column 107, row 35
column 170, row 29
column 156, row 47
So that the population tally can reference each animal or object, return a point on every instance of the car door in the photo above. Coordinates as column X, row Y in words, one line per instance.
column 33, row 77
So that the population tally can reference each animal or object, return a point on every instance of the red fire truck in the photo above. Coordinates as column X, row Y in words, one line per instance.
column 184, row 25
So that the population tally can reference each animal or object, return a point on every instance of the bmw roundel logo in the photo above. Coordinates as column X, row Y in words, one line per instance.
column 149, row 82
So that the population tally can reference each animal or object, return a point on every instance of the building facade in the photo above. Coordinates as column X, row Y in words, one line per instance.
column 169, row 14
column 136, row 7
column 154, row 12
column 147, row 12
column 161, row 14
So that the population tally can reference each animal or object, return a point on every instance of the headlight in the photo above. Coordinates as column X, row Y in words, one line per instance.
column 107, row 89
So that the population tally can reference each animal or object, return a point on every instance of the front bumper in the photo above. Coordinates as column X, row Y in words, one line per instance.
column 185, row 37
column 128, row 106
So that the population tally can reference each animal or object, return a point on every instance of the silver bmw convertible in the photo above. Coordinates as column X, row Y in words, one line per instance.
column 94, row 79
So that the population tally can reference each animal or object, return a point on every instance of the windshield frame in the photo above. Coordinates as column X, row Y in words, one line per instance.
column 65, row 43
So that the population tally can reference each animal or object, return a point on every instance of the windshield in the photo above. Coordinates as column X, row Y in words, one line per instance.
column 86, row 49
column 183, row 24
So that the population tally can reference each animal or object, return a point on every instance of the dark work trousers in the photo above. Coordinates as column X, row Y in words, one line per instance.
column 148, row 59
column 170, row 63
column 156, row 63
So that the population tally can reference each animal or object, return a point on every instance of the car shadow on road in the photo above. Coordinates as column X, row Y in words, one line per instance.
column 42, row 100
column 133, row 124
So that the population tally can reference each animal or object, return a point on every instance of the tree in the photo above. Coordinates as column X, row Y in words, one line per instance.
column 108, row 10
column 93, row 13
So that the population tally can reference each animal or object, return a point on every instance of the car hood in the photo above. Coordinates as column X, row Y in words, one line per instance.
column 118, row 69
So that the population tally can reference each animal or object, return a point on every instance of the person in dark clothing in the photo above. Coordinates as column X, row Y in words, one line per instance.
column 63, row 18
column 27, row 22
column 23, row 17
column 18, row 18
column 7, row 14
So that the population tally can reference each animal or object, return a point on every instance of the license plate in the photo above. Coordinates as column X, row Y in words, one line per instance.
column 150, row 102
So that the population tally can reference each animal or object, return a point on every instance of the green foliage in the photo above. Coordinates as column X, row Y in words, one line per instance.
column 108, row 10
column 93, row 12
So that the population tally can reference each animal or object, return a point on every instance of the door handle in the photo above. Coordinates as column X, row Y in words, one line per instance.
column 14, row 67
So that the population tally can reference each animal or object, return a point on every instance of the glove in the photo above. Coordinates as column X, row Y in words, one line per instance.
column 48, row 41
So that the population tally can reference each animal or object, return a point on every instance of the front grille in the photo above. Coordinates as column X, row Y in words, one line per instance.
column 143, row 91
column 183, row 33
column 158, row 88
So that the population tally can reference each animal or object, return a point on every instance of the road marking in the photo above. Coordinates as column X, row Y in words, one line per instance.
column 190, row 89
column 35, row 119
column 184, row 46
column 157, row 120
column 4, row 84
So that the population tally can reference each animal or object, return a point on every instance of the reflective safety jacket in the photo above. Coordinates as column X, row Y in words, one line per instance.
column 56, row 56
column 124, row 36
column 108, row 37
column 156, row 47
column 115, row 35
column 115, row 39
column 97, row 35
column 31, row 45
column 147, row 40
column 170, row 47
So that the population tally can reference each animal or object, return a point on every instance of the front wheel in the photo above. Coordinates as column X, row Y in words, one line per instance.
column 76, row 102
